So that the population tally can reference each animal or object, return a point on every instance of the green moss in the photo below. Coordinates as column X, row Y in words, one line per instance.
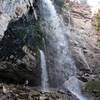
column 96, row 21
column 60, row 3
column 98, row 41
column 37, row 37
column 98, row 17
column 98, row 27
column 93, row 86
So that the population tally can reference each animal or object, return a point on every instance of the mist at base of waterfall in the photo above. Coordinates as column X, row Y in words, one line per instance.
column 74, row 86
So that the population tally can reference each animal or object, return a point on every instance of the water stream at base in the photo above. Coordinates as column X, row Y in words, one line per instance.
column 44, row 76
column 55, row 31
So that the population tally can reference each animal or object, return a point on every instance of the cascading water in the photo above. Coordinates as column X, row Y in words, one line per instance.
column 84, row 59
column 44, row 76
column 60, row 64
column 58, row 55
column 73, row 85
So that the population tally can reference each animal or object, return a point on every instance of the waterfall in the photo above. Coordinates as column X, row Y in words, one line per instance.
column 44, row 76
column 74, row 87
column 58, row 56
column 61, row 65
column 84, row 59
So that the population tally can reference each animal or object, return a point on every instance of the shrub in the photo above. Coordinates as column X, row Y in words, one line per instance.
column 35, row 40
column 93, row 87
column 60, row 3
column 96, row 21
column 37, row 35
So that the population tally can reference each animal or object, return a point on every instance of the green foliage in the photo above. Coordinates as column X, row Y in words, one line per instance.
column 98, row 27
column 98, row 41
column 96, row 22
column 93, row 86
column 60, row 3
column 37, row 36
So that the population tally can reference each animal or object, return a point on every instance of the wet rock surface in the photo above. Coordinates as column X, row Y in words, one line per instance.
column 19, row 62
column 22, row 92
column 84, row 46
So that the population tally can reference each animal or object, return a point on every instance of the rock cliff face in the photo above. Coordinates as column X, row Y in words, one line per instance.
column 17, row 57
column 84, row 44
column 83, row 37
column 20, row 37
column 12, row 10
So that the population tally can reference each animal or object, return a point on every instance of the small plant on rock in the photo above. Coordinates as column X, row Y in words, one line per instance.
column 96, row 22
column 93, row 87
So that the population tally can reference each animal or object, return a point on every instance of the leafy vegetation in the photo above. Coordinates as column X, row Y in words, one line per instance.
column 60, row 3
column 37, row 37
column 93, row 86
column 96, row 22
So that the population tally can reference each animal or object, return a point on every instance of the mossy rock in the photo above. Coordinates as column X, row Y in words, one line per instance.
column 60, row 3
column 38, row 36
column 93, row 87
column 36, row 41
column 96, row 21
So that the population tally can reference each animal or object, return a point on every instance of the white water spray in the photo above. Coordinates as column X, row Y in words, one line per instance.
column 56, row 35
column 55, row 32
column 74, row 87
column 44, row 76
column 84, row 59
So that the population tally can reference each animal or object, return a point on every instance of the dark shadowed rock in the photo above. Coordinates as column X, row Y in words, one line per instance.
column 18, row 60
